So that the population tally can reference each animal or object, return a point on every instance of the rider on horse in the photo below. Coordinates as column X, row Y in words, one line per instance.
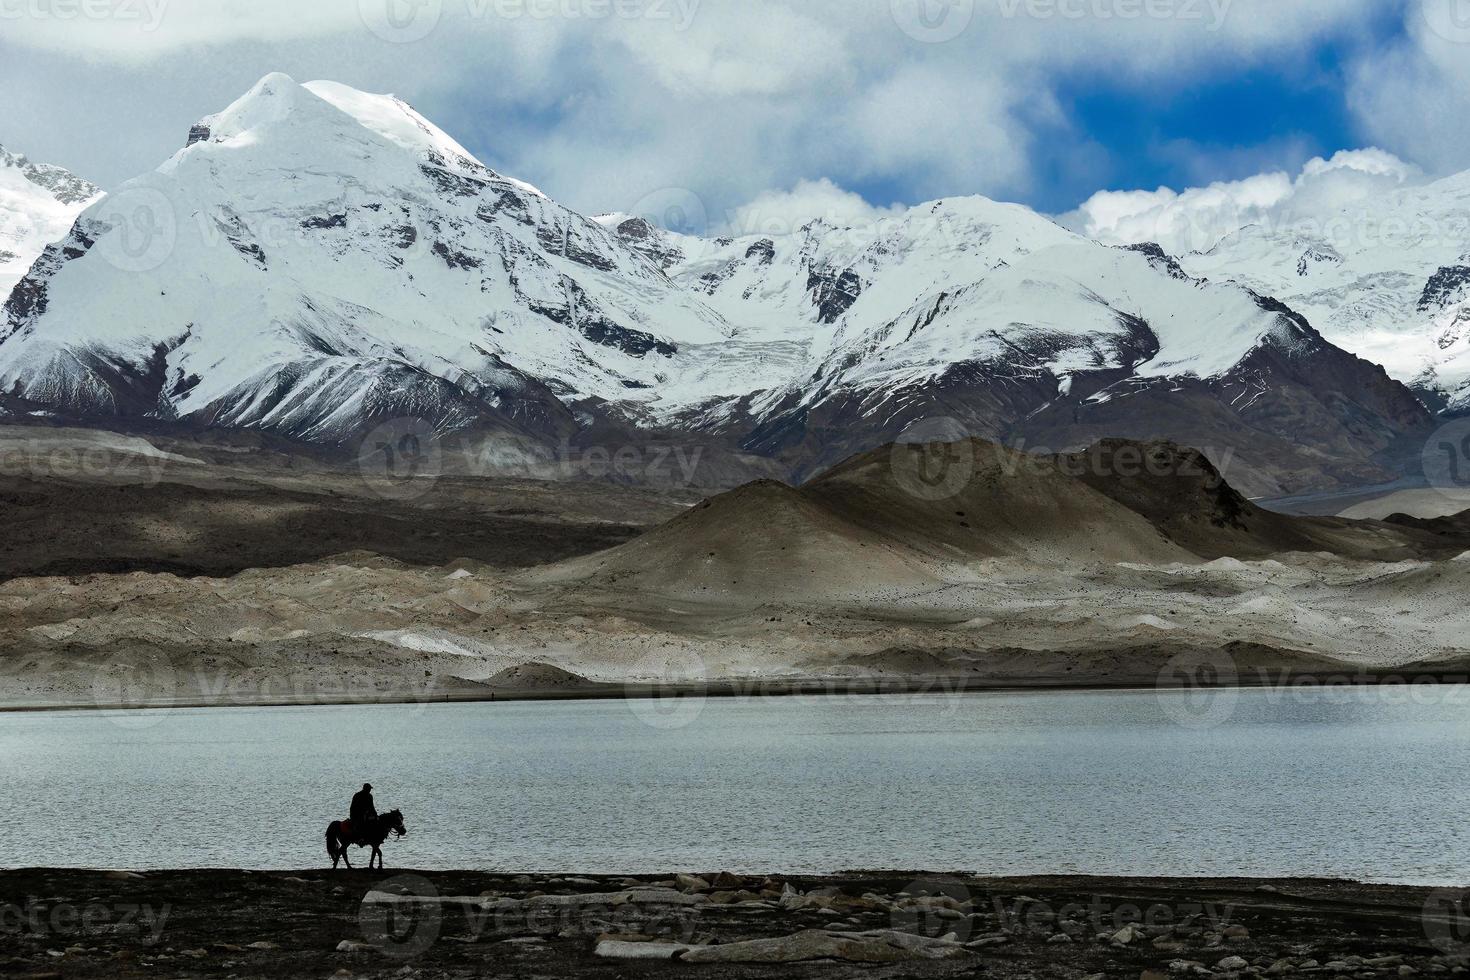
column 365, row 828
column 363, row 814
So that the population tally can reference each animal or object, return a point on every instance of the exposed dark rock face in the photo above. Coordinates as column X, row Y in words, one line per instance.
column 1315, row 256
column 833, row 293
column 28, row 300
column 762, row 251
column 238, row 234
column 1159, row 259
column 590, row 322
column 453, row 184
column 454, row 258
column 1448, row 286
column 650, row 242
column 572, row 243
column 329, row 221
column 197, row 134
column 404, row 236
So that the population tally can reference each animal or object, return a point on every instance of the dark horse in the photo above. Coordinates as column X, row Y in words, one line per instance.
column 337, row 839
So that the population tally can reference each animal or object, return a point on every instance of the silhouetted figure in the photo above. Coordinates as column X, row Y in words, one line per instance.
column 364, row 815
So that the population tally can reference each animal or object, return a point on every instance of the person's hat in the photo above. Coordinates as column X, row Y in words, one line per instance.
column 367, row 786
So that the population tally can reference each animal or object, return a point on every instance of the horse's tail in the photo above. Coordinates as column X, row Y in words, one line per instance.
column 331, row 845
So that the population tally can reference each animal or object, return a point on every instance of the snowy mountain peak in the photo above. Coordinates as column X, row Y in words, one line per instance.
column 38, row 203
column 61, row 185
column 274, row 99
column 318, row 260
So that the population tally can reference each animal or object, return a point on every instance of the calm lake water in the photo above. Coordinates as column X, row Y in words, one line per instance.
column 1370, row 784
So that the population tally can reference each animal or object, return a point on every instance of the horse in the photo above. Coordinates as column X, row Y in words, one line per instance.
column 338, row 837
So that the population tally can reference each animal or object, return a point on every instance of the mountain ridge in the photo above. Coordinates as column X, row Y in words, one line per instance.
column 38, row 203
column 325, row 261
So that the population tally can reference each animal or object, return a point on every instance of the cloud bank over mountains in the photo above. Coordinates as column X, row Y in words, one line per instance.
column 605, row 102
column 1194, row 219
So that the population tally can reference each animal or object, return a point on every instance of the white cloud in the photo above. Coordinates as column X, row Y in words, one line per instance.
column 1196, row 218
column 602, row 102
column 781, row 212
column 1414, row 96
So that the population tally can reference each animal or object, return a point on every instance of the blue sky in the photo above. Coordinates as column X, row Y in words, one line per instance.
column 736, row 100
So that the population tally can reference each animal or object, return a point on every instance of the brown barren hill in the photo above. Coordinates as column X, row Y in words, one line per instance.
column 764, row 542
column 906, row 519
column 536, row 676
column 977, row 499
column 1179, row 491
column 875, row 528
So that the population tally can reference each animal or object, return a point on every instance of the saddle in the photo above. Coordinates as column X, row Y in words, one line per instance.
column 351, row 828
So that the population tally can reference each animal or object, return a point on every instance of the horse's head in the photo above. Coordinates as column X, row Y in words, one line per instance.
column 394, row 822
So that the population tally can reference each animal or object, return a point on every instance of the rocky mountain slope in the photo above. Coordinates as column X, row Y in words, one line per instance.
column 318, row 260
column 38, row 203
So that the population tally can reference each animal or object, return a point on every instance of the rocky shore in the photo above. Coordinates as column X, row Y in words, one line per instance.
column 59, row 923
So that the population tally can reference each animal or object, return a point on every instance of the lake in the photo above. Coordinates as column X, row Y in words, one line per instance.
column 1365, row 783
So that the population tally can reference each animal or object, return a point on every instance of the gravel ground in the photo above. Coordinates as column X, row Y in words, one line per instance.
column 467, row 924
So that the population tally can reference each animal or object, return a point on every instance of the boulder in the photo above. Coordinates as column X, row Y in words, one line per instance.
column 617, row 949
column 879, row 946
column 1126, row 935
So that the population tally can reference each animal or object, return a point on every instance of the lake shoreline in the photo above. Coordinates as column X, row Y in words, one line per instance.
column 792, row 687
column 214, row 923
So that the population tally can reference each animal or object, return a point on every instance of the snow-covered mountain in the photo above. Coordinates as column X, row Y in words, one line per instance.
column 1387, row 278
column 317, row 260
column 1003, row 324
column 38, row 203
